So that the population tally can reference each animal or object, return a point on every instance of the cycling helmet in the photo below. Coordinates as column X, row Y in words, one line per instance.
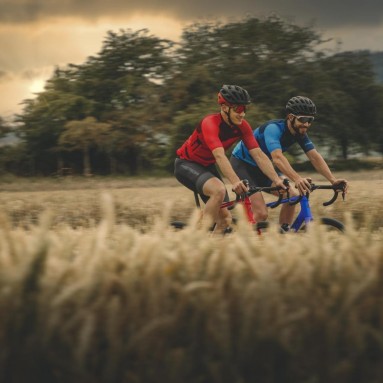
column 301, row 105
column 233, row 95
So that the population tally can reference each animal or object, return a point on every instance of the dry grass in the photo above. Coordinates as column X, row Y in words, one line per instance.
column 76, row 202
column 110, row 302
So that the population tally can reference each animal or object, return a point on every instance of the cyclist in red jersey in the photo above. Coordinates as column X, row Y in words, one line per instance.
column 195, row 166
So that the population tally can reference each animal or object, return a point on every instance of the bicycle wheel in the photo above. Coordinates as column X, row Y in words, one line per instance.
column 262, row 225
column 179, row 225
column 332, row 223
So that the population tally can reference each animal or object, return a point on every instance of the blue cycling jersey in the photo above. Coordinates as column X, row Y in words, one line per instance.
column 272, row 135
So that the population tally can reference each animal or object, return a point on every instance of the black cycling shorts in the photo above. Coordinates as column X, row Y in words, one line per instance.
column 253, row 174
column 193, row 176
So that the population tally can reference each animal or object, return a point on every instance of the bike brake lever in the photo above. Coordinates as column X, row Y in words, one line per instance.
column 343, row 188
column 277, row 203
column 241, row 197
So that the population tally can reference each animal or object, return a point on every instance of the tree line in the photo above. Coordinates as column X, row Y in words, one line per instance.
column 128, row 108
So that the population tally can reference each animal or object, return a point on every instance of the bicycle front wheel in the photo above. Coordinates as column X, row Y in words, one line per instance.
column 332, row 224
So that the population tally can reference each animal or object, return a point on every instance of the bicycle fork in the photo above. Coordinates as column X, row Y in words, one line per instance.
column 250, row 214
column 249, row 210
column 304, row 215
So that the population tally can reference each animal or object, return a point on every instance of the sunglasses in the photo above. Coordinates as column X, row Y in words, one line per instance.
column 238, row 108
column 304, row 119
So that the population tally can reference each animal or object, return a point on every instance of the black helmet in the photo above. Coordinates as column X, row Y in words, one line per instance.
column 301, row 105
column 234, row 95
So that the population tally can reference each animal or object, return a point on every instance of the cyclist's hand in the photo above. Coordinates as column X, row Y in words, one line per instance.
column 339, row 181
column 240, row 188
column 281, row 184
column 303, row 185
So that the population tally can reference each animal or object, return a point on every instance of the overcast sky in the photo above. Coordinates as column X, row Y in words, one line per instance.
column 37, row 35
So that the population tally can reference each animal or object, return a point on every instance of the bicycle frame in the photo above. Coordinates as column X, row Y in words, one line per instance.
column 304, row 216
column 247, row 205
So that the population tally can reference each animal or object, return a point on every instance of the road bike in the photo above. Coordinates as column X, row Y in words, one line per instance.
column 303, row 217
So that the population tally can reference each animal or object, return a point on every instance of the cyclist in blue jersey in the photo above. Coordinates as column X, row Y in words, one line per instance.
column 275, row 137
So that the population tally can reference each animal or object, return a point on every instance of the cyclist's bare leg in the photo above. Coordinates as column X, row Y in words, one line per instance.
column 287, row 212
column 224, row 220
column 216, row 191
column 258, row 206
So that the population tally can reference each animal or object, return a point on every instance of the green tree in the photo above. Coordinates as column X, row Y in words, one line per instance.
column 43, row 118
column 126, row 62
column 124, row 82
column 262, row 56
column 349, row 101
column 83, row 135
column 4, row 127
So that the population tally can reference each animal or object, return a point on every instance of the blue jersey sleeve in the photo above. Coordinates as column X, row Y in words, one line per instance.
column 306, row 144
column 272, row 137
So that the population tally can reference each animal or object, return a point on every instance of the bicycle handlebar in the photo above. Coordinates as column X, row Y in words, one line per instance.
column 336, row 189
column 267, row 189
column 256, row 189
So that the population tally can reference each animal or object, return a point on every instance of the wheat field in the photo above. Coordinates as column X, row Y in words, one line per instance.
column 96, row 287
column 76, row 201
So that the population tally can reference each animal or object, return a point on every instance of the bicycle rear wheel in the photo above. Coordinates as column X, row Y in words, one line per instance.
column 178, row 225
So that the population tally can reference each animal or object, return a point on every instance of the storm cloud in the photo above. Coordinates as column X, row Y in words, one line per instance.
column 324, row 13
column 38, row 35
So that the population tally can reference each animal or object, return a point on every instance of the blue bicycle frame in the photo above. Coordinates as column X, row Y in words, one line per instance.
column 304, row 215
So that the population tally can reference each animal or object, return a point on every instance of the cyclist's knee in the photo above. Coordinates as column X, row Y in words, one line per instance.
column 260, row 211
column 218, row 193
column 262, row 216
column 214, row 188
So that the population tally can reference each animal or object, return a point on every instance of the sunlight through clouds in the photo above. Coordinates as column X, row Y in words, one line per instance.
column 35, row 50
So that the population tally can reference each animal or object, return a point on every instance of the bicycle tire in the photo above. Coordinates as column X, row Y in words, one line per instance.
column 329, row 222
column 333, row 223
column 178, row 225
column 262, row 225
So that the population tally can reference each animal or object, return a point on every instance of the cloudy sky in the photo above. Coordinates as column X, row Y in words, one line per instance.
column 38, row 35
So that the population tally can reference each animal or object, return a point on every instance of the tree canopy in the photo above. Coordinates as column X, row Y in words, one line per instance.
column 137, row 99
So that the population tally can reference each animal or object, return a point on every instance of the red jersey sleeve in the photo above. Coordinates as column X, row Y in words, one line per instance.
column 210, row 131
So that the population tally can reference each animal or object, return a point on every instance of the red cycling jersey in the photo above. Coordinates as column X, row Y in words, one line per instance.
column 211, row 133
